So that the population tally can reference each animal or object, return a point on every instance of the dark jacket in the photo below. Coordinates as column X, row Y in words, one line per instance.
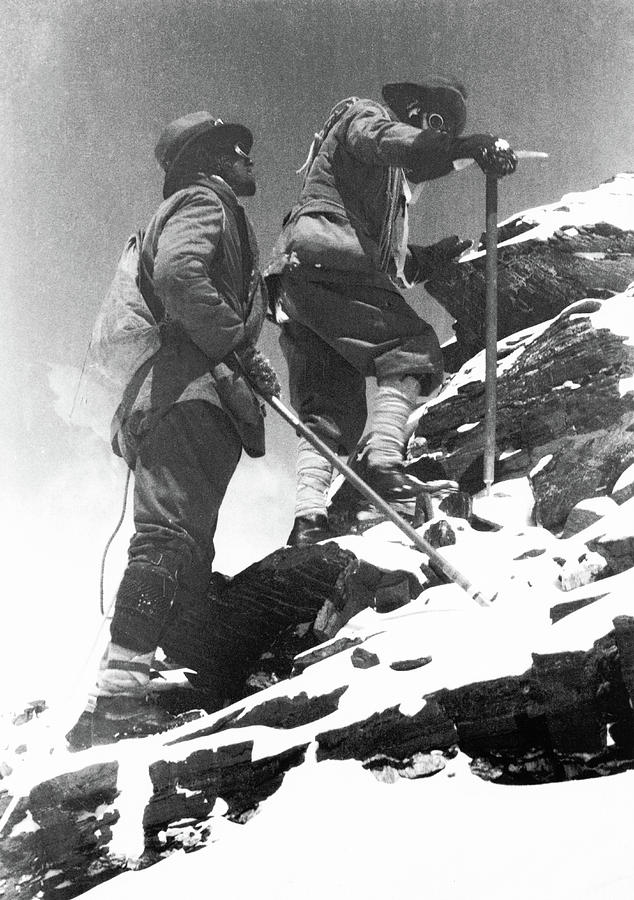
column 201, row 256
column 353, row 193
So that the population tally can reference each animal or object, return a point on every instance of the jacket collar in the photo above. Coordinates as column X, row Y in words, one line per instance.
column 181, row 180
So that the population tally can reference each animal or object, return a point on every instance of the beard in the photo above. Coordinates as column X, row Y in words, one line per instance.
column 240, row 180
column 244, row 187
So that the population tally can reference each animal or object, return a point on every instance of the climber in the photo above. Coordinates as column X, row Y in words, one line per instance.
column 337, row 271
column 188, row 412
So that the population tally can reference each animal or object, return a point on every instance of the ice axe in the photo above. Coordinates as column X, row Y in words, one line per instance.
column 438, row 563
column 491, row 318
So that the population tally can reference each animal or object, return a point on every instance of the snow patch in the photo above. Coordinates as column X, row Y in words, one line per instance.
column 414, row 828
column 626, row 386
column 611, row 202
column 543, row 462
column 135, row 789
column 25, row 826
column 625, row 479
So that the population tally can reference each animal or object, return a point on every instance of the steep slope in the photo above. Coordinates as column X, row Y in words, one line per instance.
column 395, row 715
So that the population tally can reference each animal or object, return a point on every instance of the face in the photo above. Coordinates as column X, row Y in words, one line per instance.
column 237, row 171
column 427, row 120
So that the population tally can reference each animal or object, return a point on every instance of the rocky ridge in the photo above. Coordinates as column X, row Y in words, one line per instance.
column 356, row 652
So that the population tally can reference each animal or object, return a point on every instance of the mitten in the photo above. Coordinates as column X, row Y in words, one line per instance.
column 493, row 154
column 260, row 372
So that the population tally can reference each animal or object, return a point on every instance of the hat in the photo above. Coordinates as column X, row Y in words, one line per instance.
column 181, row 133
column 437, row 93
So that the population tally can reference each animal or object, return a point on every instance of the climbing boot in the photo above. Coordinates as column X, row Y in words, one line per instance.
column 117, row 718
column 394, row 484
column 310, row 529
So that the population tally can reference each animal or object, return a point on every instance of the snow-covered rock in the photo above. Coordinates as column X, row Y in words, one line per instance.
column 382, row 707
column 565, row 410
column 549, row 257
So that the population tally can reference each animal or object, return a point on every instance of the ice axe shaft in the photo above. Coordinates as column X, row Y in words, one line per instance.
column 491, row 329
column 491, row 319
column 438, row 563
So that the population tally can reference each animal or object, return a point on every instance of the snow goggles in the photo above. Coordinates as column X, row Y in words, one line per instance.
column 237, row 149
column 434, row 120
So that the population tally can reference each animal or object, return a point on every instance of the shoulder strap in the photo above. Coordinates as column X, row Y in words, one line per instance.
column 336, row 113
column 145, row 283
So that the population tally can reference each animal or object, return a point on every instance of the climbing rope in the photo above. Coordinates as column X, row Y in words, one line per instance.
column 110, row 540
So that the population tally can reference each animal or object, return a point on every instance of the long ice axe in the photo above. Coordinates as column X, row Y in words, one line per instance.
column 491, row 318
column 437, row 562
column 491, row 330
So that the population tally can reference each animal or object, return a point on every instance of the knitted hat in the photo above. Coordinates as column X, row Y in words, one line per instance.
column 438, row 94
column 181, row 134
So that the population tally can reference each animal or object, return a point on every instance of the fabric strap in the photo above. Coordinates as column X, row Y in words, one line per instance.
column 129, row 666
column 314, row 475
column 392, row 409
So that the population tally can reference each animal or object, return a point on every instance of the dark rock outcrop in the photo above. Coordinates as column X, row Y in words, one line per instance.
column 565, row 410
column 549, row 257
column 410, row 673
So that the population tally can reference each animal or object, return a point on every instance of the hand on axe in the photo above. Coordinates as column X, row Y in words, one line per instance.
column 259, row 372
column 493, row 154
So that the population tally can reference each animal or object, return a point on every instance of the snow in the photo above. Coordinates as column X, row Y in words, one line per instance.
column 626, row 386
column 135, row 786
column 618, row 524
column 311, row 838
column 611, row 202
column 332, row 830
column 510, row 503
column 613, row 314
column 624, row 480
column 541, row 464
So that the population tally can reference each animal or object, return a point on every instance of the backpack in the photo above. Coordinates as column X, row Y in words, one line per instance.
column 125, row 335
column 336, row 113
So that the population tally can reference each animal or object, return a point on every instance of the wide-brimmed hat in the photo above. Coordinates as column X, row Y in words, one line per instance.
column 181, row 134
column 439, row 95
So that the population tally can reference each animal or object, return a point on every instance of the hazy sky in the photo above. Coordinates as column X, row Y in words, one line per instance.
column 90, row 85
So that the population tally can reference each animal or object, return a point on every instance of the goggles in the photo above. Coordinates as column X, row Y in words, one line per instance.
column 434, row 120
column 237, row 149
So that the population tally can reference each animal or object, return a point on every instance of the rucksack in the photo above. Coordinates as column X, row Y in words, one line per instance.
column 336, row 113
column 125, row 335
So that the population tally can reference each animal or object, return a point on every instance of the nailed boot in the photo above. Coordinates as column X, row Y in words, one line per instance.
column 310, row 529
column 121, row 706
column 117, row 718
column 393, row 483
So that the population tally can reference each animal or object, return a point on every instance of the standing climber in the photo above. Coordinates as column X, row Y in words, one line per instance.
column 188, row 412
column 338, row 269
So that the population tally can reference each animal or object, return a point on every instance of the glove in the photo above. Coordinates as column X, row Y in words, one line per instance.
column 493, row 154
column 435, row 256
column 260, row 372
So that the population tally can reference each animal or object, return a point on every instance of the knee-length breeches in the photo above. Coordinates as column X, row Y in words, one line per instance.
column 337, row 335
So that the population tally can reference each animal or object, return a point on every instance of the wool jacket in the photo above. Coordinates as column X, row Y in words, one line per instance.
column 353, row 193
column 201, row 258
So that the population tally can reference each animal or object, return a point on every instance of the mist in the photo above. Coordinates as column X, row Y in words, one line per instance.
column 90, row 85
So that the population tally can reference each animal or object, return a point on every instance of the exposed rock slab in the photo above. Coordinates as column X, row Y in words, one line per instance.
column 565, row 409
column 543, row 720
column 548, row 258
column 538, row 688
